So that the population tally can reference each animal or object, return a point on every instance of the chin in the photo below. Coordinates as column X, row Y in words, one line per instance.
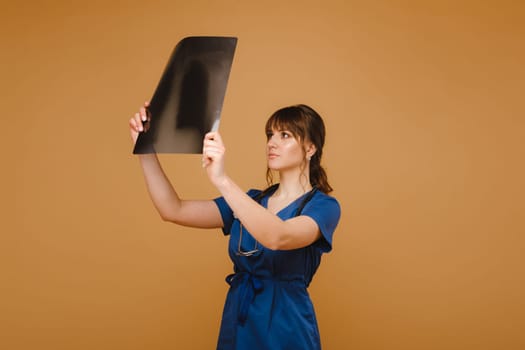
column 272, row 166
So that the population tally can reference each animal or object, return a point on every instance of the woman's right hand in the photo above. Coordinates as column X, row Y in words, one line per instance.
column 139, row 122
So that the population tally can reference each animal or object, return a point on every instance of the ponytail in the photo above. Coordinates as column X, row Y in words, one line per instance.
column 318, row 177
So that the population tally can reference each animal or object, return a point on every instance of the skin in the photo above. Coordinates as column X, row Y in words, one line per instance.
column 285, row 154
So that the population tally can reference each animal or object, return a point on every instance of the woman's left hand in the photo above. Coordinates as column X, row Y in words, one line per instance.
column 213, row 151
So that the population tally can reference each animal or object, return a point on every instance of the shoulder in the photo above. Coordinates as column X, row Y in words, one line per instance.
column 323, row 206
column 326, row 212
column 326, row 199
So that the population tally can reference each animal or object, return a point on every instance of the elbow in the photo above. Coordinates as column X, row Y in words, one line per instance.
column 273, row 246
column 164, row 218
column 277, row 247
column 275, row 243
column 167, row 217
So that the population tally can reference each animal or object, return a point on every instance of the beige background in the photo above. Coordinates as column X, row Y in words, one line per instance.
column 423, row 102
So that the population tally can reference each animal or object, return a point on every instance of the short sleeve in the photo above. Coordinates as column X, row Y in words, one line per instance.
column 326, row 212
column 226, row 212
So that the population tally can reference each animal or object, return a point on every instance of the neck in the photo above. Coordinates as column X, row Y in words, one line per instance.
column 293, row 185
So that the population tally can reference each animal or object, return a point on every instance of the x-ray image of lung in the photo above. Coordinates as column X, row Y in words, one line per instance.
column 189, row 97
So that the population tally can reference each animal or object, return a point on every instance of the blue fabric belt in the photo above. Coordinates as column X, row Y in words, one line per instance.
column 249, row 286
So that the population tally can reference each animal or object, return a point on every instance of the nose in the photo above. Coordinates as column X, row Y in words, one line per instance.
column 271, row 142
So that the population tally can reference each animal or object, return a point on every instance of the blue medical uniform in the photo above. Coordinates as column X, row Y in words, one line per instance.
column 268, row 306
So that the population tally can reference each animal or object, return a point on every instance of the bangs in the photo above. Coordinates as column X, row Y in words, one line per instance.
column 289, row 119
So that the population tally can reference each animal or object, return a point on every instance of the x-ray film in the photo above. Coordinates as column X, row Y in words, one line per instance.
column 189, row 97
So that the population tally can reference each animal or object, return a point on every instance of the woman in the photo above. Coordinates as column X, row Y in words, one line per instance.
column 277, row 236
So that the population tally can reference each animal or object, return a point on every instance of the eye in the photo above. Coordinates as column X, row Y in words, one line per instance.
column 285, row 134
column 269, row 134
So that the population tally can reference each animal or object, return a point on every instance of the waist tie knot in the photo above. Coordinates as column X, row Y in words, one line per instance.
column 249, row 286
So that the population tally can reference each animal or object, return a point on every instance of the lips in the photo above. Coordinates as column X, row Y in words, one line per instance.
column 272, row 155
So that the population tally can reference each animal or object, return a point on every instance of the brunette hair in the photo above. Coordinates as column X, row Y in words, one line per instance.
column 306, row 125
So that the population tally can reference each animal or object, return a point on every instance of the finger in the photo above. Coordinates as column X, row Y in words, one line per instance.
column 209, row 143
column 213, row 152
column 207, row 158
column 138, row 122
column 212, row 135
column 215, row 142
column 143, row 114
column 133, row 125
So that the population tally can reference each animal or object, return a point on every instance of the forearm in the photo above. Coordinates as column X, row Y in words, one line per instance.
column 160, row 190
column 266, row 227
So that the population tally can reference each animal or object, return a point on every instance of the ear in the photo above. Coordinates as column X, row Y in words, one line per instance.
column 310, row 150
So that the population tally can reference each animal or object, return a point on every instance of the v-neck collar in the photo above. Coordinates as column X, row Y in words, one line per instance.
column 266, row 198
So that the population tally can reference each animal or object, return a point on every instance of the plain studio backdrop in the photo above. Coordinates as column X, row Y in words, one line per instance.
column 423, row 102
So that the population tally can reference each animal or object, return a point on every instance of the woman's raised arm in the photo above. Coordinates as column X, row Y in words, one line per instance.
column 193, row 213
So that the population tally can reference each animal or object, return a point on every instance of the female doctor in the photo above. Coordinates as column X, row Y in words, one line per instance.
column 276, row 236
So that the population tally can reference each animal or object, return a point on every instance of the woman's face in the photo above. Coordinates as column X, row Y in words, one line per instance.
column 283, row 150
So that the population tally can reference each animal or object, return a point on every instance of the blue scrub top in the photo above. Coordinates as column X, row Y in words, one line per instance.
column 268, row 305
